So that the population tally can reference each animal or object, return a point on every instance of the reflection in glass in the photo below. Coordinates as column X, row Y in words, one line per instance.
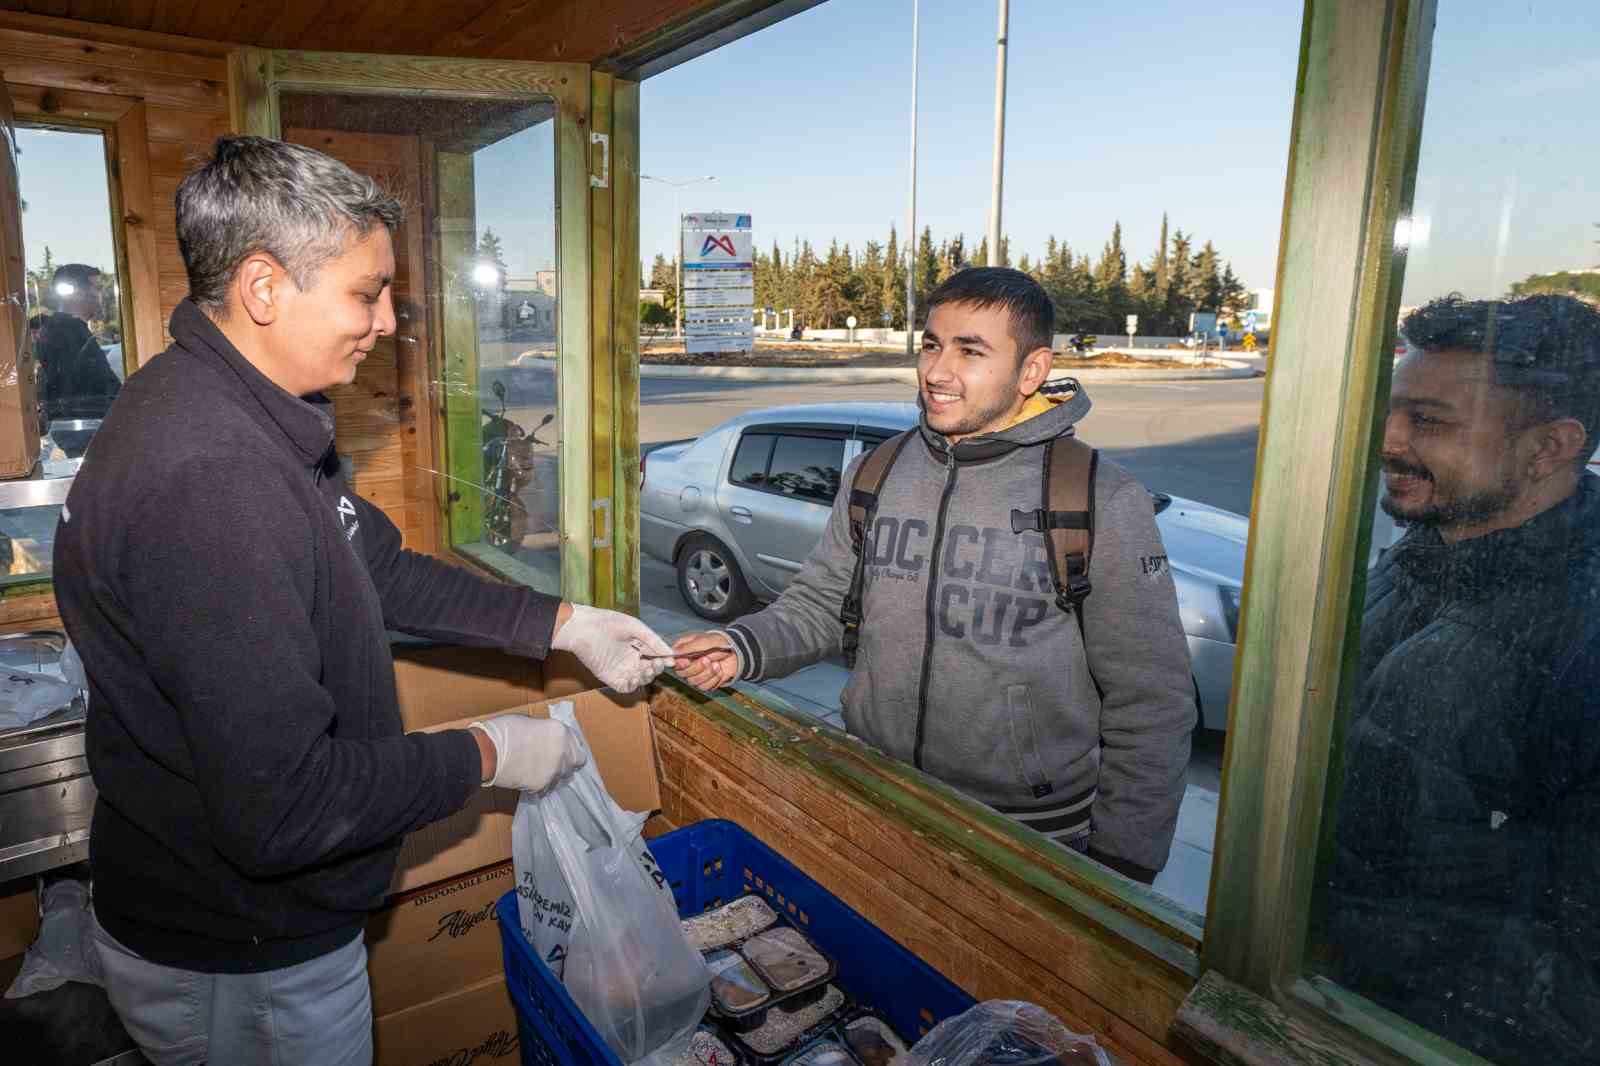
column 1460, row 881
column 477, row 308
column 74, row 321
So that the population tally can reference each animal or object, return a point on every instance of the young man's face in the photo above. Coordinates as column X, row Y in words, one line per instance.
column 971, row 379
column 1453, row 444
column 322, row 334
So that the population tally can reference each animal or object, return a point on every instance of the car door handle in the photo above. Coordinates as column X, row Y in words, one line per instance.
column 742, row 514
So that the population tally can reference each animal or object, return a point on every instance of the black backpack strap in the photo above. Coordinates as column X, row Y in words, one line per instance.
column 1066, row 517
column 863, row 504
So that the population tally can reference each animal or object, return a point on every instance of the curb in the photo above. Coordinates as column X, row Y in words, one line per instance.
column 1232, row 370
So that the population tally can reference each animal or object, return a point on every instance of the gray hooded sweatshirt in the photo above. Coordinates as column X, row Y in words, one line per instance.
column 969, row 670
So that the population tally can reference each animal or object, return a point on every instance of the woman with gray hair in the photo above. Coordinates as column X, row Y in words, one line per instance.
column 230, row 593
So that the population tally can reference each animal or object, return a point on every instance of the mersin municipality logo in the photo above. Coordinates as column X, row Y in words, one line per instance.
column 723, row 242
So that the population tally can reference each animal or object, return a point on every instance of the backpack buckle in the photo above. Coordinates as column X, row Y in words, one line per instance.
column 1022, row 521
column 1071, row 593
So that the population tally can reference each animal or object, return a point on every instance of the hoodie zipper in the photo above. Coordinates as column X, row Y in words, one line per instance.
column 933, row 581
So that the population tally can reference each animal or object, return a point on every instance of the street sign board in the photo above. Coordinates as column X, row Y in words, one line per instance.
column 717, row 251
column 1133, row 324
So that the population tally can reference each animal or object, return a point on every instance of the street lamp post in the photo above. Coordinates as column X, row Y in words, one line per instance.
column 911, row 232
column 995, row 258
column 677, row 185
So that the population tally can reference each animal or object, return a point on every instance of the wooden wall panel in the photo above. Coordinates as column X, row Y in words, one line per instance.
column 184, row 108
column 376, row 417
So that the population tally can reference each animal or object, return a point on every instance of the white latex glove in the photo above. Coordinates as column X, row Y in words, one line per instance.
column 610, row 643
column 530, row 753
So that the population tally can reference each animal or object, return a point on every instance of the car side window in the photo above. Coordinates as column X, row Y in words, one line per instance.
column 807, row 467
column 750, row 460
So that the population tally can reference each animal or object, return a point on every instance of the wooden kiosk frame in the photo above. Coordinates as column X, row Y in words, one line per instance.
column 970, row 892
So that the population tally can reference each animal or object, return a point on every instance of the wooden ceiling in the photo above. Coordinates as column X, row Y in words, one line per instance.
column 611, row 34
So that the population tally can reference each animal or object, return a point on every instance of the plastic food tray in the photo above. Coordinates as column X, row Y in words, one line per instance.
column 708, row 864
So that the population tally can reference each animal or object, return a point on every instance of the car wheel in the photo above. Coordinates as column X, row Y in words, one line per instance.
column 710, row 582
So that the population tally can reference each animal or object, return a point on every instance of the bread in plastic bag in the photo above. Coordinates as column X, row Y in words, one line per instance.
column 1005, row 1032
column 599, row 912
column 64, row 949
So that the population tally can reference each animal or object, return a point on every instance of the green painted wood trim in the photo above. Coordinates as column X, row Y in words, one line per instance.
column 1357, row 116
column 1120, row 909
column 1389, row 1035
column 456, row 223
column 602, row 377
column 1229, row 1025
column 625, row 341
column 498, row 563
column 574, row 413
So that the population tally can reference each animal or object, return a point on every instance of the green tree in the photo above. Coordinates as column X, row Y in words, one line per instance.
column 1111, row 282
column 654, row 314
column 927, row 273
column 490, row 250
column 894, row 282
column 1583, row 285
column 868, row 284
column 1162, row 281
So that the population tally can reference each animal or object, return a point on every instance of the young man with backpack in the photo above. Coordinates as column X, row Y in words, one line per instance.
column 1009, row 618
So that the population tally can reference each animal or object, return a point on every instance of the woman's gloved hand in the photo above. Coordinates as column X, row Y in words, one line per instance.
column 531, row 754
column 623, row 652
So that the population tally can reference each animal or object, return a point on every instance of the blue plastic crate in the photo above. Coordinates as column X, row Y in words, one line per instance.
column 708, row 864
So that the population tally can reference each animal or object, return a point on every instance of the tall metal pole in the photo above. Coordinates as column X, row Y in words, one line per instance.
column 995, row 258
column 911, row 229
column 677, row 303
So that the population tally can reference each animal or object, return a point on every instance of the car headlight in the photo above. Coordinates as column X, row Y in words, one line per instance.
column 1230, row 609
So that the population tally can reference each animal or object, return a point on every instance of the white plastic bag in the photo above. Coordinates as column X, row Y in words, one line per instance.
column 64, row 949
column 600, row 913
column 26, row 697
column 1005, row 1031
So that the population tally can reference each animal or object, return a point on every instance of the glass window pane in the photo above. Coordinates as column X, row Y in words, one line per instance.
column 807, row 467
column 74, row 317
column 1460, row 881
column 750, row 461
column 476, row 301
column 1181, row 242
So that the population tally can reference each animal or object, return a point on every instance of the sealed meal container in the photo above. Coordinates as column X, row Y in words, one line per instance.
column 872, row 1040
column 791, row 1025
column 710, row 864
column 786, row 960
column 737, row 991
column 730, row 923
column 708, row 1047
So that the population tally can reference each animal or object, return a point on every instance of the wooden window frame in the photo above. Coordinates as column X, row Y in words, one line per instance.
column 257, row 78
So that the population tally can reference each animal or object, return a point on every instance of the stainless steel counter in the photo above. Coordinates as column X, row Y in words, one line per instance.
column 46, row 794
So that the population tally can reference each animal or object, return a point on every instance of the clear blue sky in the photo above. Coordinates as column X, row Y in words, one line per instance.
column 1121, row 111
column 69, row 203
column 1115, row 112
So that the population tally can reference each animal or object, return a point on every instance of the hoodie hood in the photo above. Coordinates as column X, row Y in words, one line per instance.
column 1068, row 404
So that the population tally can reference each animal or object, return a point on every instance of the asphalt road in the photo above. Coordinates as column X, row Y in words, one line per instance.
column 1185, row 438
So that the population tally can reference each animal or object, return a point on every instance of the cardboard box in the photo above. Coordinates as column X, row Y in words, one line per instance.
column 437, row 684
column 19, row 917
column 476, row 1025
column 436, row 940
column 620, row 735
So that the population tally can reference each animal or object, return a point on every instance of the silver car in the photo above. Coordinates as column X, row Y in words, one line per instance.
column 737, row 511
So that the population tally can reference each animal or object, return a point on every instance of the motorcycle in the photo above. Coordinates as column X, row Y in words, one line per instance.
column 1083, row 343
column 507, row 470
